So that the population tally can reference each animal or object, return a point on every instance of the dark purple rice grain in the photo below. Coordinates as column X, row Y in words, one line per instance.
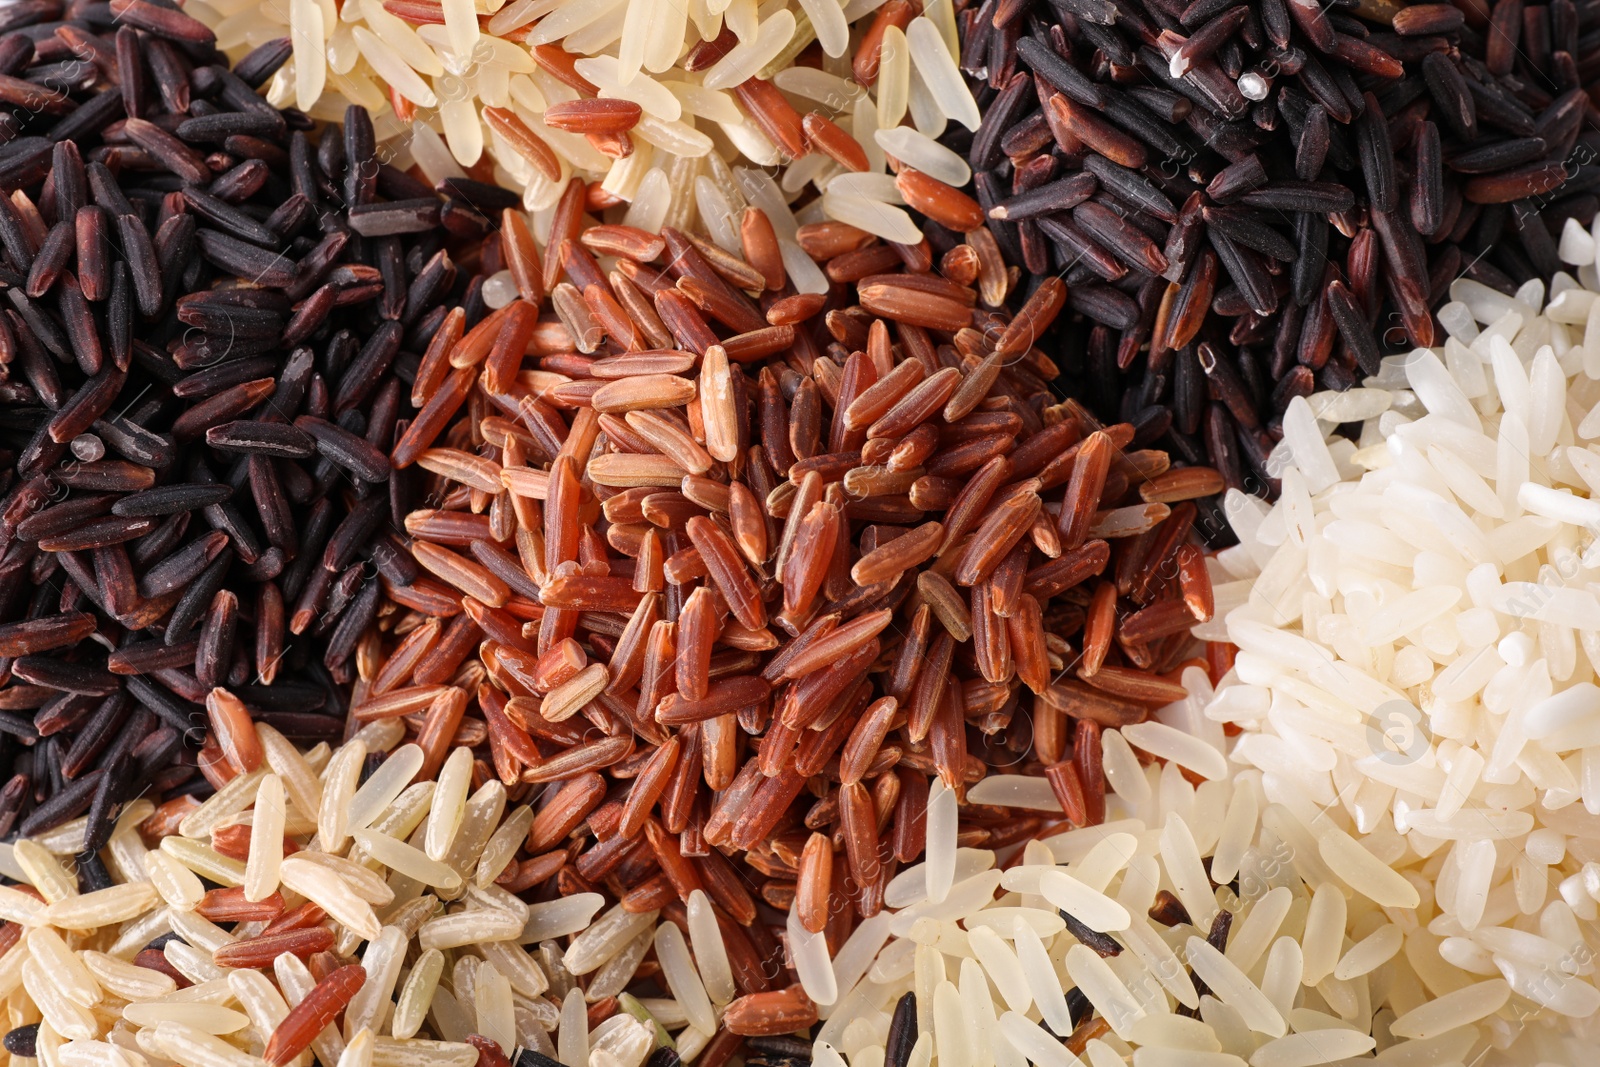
column 902, row 1032
column 354, row 532
column 215, row 648
column 1501, row 155
column 111, row 791
column 219, row 212
column 1536, row 240
column 1248, row 271
column 1117, row 232
column 142, row 657
column 1236, row 178
column 1427, row 183
column 135, row 443
column 41, row 327
column 103, row 475
column 97, row 534
column 265, row 268
column 1250, row 229
column 66, row 676
column 23, row 1041
column 85, row 407
column 1047, row 199
column 261, row 438
column 53, row 255
column 65, row 805
column 1103, row 945
column 348, row 450
column 1104, row 304
column 272, row 506
column 1353, row 327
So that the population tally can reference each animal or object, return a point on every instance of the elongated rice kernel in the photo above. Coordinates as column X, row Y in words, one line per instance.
column 260, row 1000
column 491, row 994
column 331, row 893
column 61, row 1014
column 66, row 971
column 103, row 907
column 503, row 845
column 19, row 907
column 521, row 970
column 468, row 927
column 382, row 960
column 339, row 782
column 266, row 840
column 709, row 951
column 449, row 803
column 1042, row 983
column 387, row 1052
column 484, row 809
column 383, row 786
column 1457, row 1008
column 812, row 962
column 207, row 1018
column 195, row 1048
column 894, row 77
column 124, row 980
column 300, row 782
column 1233, row 988
column 572, row 1038
column 43, row 872
column 938, row 70
column 406, row 860
column 558, row 918
column 416, row 996
column 941, row 854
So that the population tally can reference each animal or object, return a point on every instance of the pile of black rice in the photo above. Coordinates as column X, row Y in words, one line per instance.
column 1252, row 201
column 207, row 324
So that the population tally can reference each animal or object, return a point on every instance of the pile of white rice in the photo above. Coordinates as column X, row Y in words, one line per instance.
column 692, row 130
column 1406, row 828
column 1419, row 635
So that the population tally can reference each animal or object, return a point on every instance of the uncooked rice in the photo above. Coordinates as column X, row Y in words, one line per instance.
column 135, row 973
column 478, row 88
column 1415, row 682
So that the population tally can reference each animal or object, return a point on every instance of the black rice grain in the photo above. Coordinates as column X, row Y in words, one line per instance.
column 203, row 347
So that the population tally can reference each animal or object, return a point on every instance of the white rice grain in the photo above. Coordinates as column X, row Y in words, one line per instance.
column 449, row 803
column 194, row 1048
column 1451, row 1010
column 894, row 77
column 1233, row 988
column 684, row 981
column 1088, row 905
column 1002, row 967
column 709, row 951
column 266, row 840
column 938, row 69
column 331, row 893
column 940, row 853
column 1042, row 982
column 745, row 59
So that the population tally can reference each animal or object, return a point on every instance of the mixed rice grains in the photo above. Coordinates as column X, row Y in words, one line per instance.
column 717, row 575
column 710, row 572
